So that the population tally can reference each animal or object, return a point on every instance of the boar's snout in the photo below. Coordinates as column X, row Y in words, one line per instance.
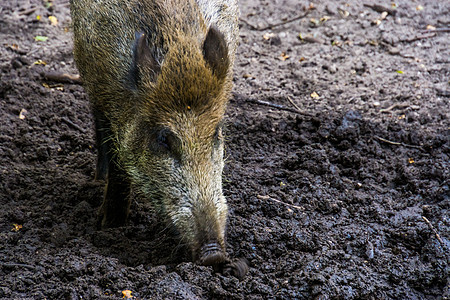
column 212, row 255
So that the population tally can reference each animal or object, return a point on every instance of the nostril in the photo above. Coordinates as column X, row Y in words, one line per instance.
column 237, row 268
column 212, row 254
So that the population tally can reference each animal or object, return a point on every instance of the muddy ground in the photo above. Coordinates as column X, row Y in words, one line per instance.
column 339, row 189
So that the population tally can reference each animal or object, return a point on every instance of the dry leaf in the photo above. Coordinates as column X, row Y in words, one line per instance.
column 58, row 86
column 40, row 62
column 376, row 22
column 314, row 21
column 23, row 113
column 348, row 42
column 14, row 47
column 283, row 56
column 48, row 3
column 53, row 20
column 343, row 13
column 127, row 294
column 40, row 38
column 268, row 36
column 17, row 227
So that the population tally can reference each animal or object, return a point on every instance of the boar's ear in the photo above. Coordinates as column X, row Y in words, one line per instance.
column 215, row 52
column 143, row 60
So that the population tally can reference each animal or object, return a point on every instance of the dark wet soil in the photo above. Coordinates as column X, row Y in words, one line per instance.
column 338, row 188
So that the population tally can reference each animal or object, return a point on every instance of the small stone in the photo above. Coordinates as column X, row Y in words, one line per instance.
column 394, row 51
column 332, row 69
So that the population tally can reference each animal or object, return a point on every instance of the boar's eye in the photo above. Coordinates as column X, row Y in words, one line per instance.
column 165, row 141
column 168, row 140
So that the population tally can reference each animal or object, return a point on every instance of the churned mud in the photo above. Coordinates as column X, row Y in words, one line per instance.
column 337, row 173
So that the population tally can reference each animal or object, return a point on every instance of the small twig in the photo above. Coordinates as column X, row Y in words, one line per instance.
column 285, row 22
column 295, row 105
column 434, row 230
column 387, row 141
column 298, row 109
column 276, row 24
column 62, row 77
column 276, row 200
column 278, row 106
column 444, row 29
column 252, row 27
column 397, row 143
column 70, row 123
column 417, row 38
column 396, row 105
column 273, row 105
column 379, row 8
column 270, row 104
column 28, row 11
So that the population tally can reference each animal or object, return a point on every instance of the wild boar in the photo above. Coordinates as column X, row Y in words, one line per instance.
column 159, row 75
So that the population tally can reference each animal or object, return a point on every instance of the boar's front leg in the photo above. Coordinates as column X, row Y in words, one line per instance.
column 116, row 201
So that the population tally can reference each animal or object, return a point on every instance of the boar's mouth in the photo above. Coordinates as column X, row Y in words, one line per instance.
column 212, row 255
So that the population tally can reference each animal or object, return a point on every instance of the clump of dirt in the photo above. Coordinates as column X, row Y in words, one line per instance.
column 337, row 172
